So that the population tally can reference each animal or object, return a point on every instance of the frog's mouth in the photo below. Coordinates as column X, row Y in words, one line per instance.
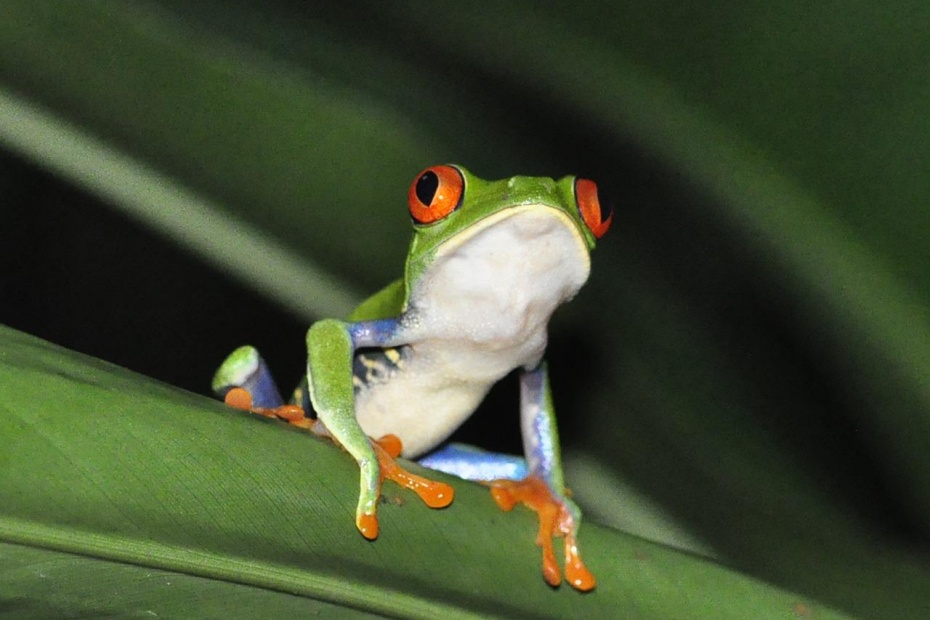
column 527, row 216
column 530, row 222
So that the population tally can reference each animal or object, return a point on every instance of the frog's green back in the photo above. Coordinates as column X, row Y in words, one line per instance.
column 386, row 303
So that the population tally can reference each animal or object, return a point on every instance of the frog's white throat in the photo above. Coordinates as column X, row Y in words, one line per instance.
column 478, row 311
column 497, row 284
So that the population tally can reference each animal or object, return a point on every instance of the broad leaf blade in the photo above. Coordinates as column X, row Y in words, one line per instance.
column 103, row 463
column 38, row 583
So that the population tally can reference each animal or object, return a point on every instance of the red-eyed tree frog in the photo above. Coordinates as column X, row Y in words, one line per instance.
column 489, row 263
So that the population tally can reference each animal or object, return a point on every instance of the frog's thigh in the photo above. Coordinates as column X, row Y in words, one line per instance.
column 473, row 463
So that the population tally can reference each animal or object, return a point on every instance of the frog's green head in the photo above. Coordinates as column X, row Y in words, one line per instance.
column 449, row 206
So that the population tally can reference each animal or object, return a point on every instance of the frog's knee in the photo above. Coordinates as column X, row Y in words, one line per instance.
column 244, row 368
column 236, row 369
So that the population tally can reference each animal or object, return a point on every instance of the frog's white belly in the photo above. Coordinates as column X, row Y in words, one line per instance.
column 480, row 311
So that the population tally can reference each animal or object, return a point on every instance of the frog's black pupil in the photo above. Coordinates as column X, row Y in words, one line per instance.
column 427, row 185
column 607, row 206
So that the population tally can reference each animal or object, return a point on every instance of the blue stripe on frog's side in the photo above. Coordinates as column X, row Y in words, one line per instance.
column 245, row 368
column 374, row 366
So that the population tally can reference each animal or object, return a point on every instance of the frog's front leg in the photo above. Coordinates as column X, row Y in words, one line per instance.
column 543, row 490
column 331, row 345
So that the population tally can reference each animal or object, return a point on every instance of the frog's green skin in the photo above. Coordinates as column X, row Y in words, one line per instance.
column 416, row 358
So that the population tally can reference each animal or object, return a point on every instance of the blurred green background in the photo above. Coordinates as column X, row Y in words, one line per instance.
column 745, row 374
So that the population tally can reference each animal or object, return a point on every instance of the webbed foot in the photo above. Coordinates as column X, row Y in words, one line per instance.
column 557, row 517
column 434, row 494
column 387, row 449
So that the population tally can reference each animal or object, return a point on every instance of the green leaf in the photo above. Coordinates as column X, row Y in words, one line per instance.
column 41, row 583
column 108, row 466
column 748, row 361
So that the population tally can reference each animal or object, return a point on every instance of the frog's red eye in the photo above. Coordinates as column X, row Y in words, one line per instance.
column 595, row 208
column 436, row 193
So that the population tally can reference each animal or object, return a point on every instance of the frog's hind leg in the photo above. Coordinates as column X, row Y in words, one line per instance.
column 473, row 463
column 543, row 489
column 245, row 368
column 244, row 382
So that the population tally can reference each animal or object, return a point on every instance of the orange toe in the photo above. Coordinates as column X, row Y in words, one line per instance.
column 239, row 398
column 434, row 494
column 368, row 526
column 391, row 444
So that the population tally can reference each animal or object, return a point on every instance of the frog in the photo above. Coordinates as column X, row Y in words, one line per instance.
column 488, row 264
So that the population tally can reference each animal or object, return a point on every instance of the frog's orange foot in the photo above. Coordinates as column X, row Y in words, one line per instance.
column 240, row 398
column 555, row 519
column 434, row 494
